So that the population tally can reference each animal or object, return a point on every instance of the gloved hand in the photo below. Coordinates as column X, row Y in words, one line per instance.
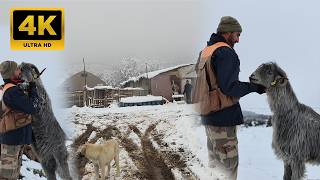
column 260, row 89
column 32, row 84
column 27, row 86
column 24, row 85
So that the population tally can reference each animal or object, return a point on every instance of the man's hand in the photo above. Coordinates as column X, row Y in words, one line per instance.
column 260, row 89
column 25, row 85
column 32, row 84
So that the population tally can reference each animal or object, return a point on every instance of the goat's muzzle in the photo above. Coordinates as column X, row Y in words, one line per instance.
column 252, row 78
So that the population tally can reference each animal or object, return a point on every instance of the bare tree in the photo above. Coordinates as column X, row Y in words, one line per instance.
column 127, row 68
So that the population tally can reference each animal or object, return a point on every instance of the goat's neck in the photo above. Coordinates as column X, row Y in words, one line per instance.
column 42, row 93
column 282, row 99
column 40, row 88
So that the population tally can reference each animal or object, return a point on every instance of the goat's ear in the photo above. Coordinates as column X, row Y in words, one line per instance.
column 282, row 81
column 281, row 72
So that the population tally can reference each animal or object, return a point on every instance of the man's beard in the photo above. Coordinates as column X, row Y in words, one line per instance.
column 231, row 44
column 230, row 41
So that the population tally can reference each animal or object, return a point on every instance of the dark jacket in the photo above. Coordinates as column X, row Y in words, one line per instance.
column 16, row 99
column 226, row 65
column 187, row 89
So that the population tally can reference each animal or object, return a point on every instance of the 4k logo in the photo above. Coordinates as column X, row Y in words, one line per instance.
column 37, row 28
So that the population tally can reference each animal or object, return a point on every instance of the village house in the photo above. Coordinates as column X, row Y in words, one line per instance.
column 165, row 82
column 86, row 89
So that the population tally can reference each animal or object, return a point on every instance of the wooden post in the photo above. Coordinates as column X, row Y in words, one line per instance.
column 119, row 95
column 85, row 84
column 148, row 80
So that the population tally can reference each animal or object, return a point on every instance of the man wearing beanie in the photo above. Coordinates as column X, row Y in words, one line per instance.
column 221, row 64
column 15, row 127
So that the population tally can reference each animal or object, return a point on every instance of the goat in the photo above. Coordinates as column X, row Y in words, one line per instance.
column 49, row 138
column 296, row 127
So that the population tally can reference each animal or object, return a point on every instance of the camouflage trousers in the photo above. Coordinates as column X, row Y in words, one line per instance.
column 222, row 144
column 10, row 161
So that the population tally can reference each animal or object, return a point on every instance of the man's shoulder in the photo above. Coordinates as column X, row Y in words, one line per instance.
column 225, row 53
column 225, row 50
column 12, row 91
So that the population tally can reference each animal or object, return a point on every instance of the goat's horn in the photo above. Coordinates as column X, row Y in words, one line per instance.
column 42, row 72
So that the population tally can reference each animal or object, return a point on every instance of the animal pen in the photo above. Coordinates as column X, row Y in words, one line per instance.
column 102, row 96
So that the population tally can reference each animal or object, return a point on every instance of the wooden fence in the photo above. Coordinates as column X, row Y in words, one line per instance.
column 101, row 96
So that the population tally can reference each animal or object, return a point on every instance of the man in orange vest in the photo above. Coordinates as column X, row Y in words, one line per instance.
column 15, row 123
column 222, row 71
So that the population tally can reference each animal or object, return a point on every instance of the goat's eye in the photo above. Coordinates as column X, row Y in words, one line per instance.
column 269, row 72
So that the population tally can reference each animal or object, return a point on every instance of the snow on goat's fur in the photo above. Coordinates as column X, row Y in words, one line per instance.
column 49, row 138
column 296, row 127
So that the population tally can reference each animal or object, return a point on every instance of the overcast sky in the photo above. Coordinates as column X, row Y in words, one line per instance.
column 174, row 32
column 286, row 32
column 105, row 32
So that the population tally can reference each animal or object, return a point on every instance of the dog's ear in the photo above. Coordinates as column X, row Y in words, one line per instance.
column 82, row 149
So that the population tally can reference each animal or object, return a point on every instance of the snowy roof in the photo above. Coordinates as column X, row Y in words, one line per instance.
column 104, row 87
column 138, row 99
column 89, row 88
column 100, row 87
column 177, row 96
column 154, row 73
column 131, row 88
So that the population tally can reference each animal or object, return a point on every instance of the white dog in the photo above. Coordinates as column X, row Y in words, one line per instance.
column 101, row 155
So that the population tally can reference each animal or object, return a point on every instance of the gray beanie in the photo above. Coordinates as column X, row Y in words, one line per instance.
column 229, row 24
column 7, row 69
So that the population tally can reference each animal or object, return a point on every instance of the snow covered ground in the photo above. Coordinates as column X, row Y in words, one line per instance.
column 168, row 142
column 257, row 160
column 138, row 99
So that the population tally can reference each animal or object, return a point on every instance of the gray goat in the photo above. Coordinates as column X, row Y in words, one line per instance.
column 49, row 138
column 296, row 127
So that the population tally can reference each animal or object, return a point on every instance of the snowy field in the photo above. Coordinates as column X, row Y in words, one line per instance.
column 167, row 142
column 257, row 160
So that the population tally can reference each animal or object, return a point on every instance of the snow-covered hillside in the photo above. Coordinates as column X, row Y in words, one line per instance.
column 168, row 142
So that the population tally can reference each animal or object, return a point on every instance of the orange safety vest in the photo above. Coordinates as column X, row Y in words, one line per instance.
column 11, row 119
column 207, row 94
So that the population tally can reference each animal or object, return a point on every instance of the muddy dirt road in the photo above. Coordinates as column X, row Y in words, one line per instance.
column 143, row 155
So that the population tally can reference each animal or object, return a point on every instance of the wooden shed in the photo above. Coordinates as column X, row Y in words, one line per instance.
column 74, row 87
